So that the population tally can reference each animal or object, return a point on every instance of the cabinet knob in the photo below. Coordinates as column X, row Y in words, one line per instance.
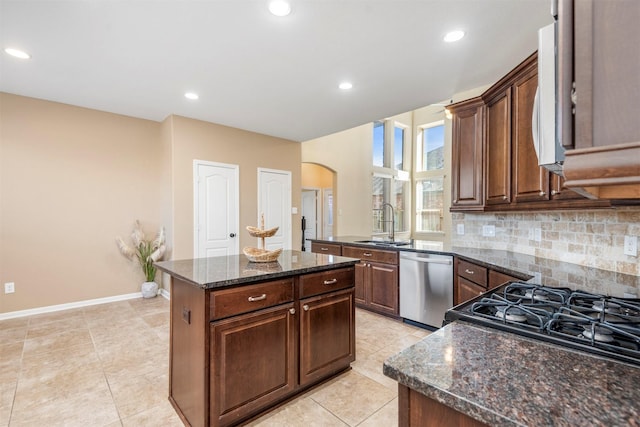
column 324, row 249
column 466, row 270
column 331, row 282
column 366, row 254
column 554, row 192
column 504, row 197
column 292, row 310
column 258, row 298
column 305, row 307
column 232, row 235
column 542, row 193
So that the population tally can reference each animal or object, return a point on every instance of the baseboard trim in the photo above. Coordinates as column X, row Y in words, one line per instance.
column 78, row 304
column 165, row 294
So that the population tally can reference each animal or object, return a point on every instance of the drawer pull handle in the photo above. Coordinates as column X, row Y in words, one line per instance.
column 367, row 254
column 324, row 249
column 331, row 282
column 260, row 298
column 292, row 310
column 305, row 307
column 466, row 270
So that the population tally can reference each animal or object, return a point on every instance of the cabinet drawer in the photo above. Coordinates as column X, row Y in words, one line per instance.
column 229, row 302
column 326, row 249
column 326, row 281
column 376, row 255
column 473, row 272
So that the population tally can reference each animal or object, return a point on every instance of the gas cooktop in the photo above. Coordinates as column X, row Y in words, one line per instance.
column 598, row 324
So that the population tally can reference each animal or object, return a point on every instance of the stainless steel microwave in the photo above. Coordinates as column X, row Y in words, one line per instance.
column 545, row 130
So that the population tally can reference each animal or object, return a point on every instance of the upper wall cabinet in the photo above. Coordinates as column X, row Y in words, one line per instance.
column 495, row 167
column 467, row 186
column 605, row 161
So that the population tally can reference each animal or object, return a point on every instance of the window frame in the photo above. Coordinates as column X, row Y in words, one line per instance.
column 420, row 175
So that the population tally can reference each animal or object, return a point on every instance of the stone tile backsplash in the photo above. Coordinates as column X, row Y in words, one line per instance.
column 592, row 238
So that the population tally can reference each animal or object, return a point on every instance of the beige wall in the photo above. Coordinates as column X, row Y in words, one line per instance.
column 71, row 179
column 193, row 139
column 349, row 154
column 316, row 176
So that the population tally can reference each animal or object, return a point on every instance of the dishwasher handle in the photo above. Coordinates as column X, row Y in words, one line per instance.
column 447, row 261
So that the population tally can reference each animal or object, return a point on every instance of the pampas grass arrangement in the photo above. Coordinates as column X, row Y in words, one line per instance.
column 146, row 251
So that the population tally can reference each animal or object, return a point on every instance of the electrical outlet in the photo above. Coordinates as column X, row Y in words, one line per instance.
column 9, row 288
column 631, row 245
column 460, row 229
column 537, row 234
column 489, row 231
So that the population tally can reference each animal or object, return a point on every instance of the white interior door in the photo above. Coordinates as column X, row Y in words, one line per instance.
column 327, row 213
column 216, row 205
column 310, row 213
column 274, row 201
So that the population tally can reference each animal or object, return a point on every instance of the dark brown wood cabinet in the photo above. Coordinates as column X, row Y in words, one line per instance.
column 327, row 335
column 508, row 174
column 326, row 248
column 498, row 148
column 530, row 181
column 604, row 36
column 237, row 351
column 472, row 280
column 253, row 362
column 467, row 184
column 417, row 410
column 376, row 279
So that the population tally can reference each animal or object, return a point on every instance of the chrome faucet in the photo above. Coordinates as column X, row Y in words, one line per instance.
column 392, row 232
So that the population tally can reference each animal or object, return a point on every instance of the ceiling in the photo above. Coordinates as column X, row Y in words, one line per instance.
column 273, row 75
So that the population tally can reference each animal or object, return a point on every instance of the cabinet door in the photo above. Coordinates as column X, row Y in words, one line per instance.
column 383, row 295
column 499, row 148
column 530, row 181
column 361, row 279
column 467, row 155
column 252, row 362
column 327, row 335
column 465, row 290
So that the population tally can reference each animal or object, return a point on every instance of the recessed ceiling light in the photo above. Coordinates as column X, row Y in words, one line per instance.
column 345, row 85
column 191, row 95
column 17, row 53
column 280, row 7
column 454, row 36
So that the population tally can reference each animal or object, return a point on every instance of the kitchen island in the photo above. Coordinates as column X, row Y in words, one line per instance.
column 472, row 375
column 246, row 336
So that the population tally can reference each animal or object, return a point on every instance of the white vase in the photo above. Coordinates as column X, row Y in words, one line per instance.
column 149, row 289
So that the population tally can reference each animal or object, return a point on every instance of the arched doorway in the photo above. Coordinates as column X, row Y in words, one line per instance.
column 318, row 203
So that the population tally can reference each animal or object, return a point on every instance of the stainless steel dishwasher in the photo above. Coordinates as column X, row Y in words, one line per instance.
column 426, row 287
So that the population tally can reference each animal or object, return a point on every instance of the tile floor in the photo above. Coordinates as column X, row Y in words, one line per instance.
column 107, row 365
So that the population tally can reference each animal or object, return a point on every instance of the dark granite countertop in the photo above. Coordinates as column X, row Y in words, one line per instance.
column 504, row 379
column 526, row 267
column 216, row 272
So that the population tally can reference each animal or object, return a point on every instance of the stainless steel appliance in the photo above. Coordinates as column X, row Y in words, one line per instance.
column 426, row 287
column 598, row 324
column 553, row 105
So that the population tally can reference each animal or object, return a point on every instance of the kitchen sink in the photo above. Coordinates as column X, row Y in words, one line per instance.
column 383, row 242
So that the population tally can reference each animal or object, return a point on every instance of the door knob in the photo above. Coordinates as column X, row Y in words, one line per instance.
column 232, row 235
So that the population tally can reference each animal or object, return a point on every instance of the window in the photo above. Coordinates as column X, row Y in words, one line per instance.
column 429, row 179
column 432, row 147
column 391, row 183
column 429, row 204
column 378, row 144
